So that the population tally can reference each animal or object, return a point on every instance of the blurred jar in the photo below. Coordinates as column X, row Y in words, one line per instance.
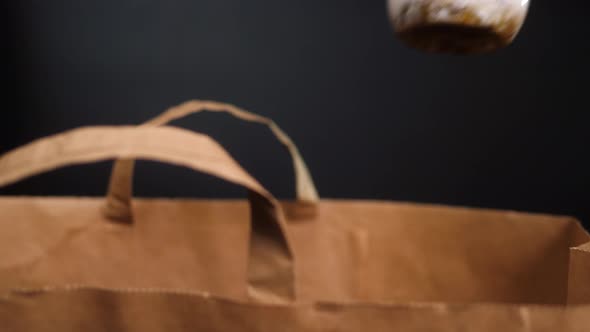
column 457, row 26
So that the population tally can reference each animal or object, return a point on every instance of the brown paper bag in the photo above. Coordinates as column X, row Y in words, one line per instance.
column 122, row 264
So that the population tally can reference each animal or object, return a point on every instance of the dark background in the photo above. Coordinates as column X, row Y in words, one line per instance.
column 372, row 118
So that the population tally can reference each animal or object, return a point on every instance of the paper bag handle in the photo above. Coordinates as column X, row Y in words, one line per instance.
column 270, row 265
column 121, row 186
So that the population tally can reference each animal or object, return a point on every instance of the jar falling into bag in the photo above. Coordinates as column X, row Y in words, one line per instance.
column 457, row 26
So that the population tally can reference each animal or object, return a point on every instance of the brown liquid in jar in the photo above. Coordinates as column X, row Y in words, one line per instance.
column 452, row 38
column 463, row 34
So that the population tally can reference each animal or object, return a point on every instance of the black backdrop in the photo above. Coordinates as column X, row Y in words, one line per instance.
column 373, row 119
